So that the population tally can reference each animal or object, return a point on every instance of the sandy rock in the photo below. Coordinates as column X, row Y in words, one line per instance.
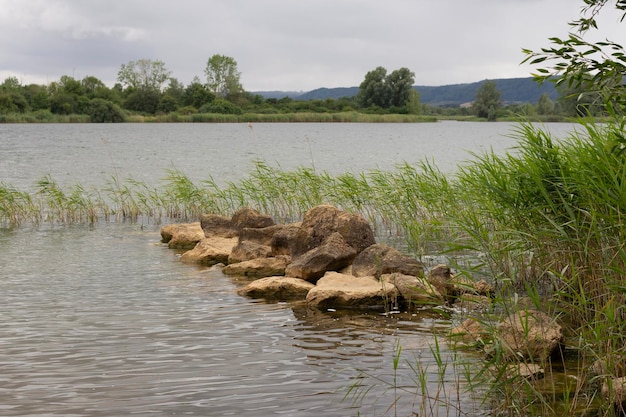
column 379, row 259
column 250, row 218
column 414, row 290
column 182, row 235
column 277, row 288
column 246, row 250
column 215, row 225
column 470, row 333
column 282, row 241
column 210, row 251
column 529, row 334
column 261, row 235
column 614, row 390
column 260, row 267
column 332, row 255
column 322, row 221
column 441, row 278
column 337, row 290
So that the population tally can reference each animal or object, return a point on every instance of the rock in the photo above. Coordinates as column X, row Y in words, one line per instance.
column 220, row 226
column 210, row 251
column 615, row 390
column 333, row 254
column 337, row 290
column 413, row 290
column 463, row 285
column 246, row 250
column 379, row 259
column 283, row 239
column 261, row 235
column 182, row 235
column 250, row 218
column 214, row 225
column 528, row 371
column 259, row 268
column 529, row 334
column 277, row 288
column 322, row 221
column 470, row 333
column 441, row 278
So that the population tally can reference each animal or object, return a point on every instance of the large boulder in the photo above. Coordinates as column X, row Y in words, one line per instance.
column 282, row 240
column 182, row 235
column 322, row 221
column 529, row 334
column 250, row 218
column 413, row 290
column 262, row 235
column 259, row 268
column 332, row 255
column 277, row 288
column 219, row 226
column 215, row 225
column 337, row 290
column 246, row 250
column 379, row 259
column 210, row 251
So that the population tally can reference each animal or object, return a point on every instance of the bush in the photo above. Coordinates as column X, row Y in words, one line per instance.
column 103, row 111
column 220, row 106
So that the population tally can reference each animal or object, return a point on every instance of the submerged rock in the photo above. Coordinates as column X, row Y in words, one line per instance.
column 530, row 335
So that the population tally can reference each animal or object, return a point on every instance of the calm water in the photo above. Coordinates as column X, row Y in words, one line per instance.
column 105, row 321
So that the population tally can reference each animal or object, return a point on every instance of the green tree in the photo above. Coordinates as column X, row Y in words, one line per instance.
column 13, row 101
column 91, row 86
column 413, row 104
column 545, row 105
column 223, row 78
column 372, row 91
column 197, row 95
column 220, row 106
column 175, row 89
column 103, row 111
column 143, row 100
column 143, row 74
column 37, row 97
column 10, row 84
column 399, row 85
column 591, row 68
column 487, row 100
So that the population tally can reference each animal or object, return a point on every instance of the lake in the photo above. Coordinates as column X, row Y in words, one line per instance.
column 104, row 320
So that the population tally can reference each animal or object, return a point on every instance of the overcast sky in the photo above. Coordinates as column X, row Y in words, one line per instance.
column 296, row 45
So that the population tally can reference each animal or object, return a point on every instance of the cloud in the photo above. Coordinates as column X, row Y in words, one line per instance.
column 280, row 44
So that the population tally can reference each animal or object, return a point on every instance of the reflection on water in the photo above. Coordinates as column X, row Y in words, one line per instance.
column 105, row 321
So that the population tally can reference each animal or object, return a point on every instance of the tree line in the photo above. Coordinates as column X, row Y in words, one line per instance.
column 147, row 87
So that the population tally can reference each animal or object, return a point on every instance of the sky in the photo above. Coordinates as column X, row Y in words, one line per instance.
column 285, row 45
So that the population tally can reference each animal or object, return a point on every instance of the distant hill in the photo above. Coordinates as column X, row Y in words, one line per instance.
column 514, row 90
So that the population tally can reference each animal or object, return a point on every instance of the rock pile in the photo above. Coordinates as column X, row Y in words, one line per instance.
column 330, row 259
